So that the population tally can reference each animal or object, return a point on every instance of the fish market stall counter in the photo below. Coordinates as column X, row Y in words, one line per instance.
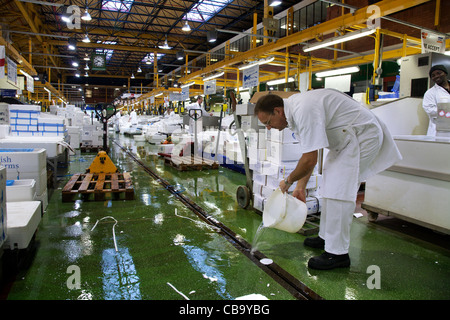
column 416, row 189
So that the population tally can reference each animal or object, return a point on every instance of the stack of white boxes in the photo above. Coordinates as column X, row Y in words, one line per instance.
column 28, row 121
column 27, row 163
column 273, row 155
column 3, row 221
column 81, row 129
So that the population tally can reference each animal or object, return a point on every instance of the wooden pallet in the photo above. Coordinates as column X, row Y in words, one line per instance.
column 196, row 163
column 99, row 187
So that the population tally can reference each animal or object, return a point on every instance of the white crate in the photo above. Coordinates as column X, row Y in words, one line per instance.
column 23, row 220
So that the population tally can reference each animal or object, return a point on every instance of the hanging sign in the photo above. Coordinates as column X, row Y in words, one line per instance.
column 432, row 42
column 2, row 62
column 209, row 87
column 250, row 77
column 12, row 71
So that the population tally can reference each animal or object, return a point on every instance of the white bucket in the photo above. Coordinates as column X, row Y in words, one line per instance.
column 284, row 212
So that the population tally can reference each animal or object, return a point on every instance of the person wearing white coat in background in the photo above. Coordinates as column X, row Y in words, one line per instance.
column 440, row 92
column 133, row 118
column 359, row 145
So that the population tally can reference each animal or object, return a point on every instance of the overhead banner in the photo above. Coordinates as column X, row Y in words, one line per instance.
column 209, row 87
column 250, row 77
column 432, row 42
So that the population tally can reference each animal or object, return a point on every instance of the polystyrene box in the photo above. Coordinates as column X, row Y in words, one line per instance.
column 23, row 220
column 23, row 159
column 21, row 190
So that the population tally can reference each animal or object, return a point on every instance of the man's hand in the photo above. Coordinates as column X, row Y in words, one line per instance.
column 300, row 194
column 284, row 187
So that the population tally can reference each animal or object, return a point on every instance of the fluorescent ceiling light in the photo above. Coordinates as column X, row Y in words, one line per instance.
column 337, row 72
column 335, row 40
column 258, row 62
column 274, row 3
column 187, row 84
column 214, row 76
column 279, row 81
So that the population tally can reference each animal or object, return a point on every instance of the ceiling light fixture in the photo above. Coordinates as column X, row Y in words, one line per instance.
column 166, row 45
column 64, row 15
column 132, row 76
column 139, row 69
column 86, row 16
column 87, row 67
column 274, row 3
column 211, row 36
column 86, row 39
column 279, row 81
column 335, row 40
column 72, row 44
column 187, row 84
column 337, row 72
column 214, row 76
column 256, row 63
column 186, row 27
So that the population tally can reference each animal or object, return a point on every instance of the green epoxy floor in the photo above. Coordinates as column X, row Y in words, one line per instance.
column 160, row 241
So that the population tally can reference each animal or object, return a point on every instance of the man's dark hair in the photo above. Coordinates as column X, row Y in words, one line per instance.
column 268, row 103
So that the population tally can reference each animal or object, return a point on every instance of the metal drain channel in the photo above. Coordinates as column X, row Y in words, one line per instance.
column 294, row 286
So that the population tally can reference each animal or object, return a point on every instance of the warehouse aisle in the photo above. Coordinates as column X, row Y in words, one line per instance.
column 164, row 249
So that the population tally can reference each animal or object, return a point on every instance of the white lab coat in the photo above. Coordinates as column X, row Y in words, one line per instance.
column 430, row 100
column 133, row 118
column 359, row 146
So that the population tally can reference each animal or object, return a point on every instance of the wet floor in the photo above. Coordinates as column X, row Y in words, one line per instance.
column 166, row 252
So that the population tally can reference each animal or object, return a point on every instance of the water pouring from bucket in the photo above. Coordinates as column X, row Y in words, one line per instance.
column 284, row 212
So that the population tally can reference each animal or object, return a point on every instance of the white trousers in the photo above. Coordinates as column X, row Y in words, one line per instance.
column 337, row 215
column 335, row 221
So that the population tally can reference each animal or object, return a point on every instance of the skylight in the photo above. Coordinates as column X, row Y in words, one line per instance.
column 108, row 52
column 205, row 10
column 149, row 58
column 117, row 5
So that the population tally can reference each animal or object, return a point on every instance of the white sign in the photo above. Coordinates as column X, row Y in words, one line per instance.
column 432, row 42
column 2, row 62
column 184, row 93
column 30, row 84
column 209, row 87
column 250, row 77
column 12, row 71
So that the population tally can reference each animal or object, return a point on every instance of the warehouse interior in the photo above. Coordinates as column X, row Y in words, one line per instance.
column 133, row 165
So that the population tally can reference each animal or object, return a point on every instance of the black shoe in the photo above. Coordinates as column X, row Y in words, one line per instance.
column 316, row 242
column 327, row 261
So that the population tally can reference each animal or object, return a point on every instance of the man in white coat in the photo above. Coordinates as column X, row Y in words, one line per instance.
column 359, row 146
column 440, row 92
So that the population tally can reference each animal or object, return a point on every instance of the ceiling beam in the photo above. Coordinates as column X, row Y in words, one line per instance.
column 360, row 16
